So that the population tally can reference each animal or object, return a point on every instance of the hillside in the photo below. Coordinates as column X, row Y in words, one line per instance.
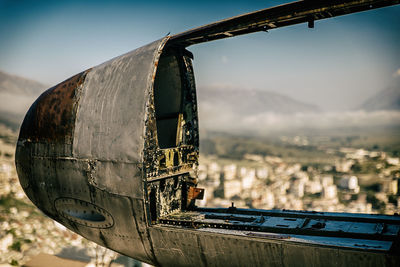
column 245, row 111
column 16, row 85
column 16, row 96
column 387, row 99
column 252, row 102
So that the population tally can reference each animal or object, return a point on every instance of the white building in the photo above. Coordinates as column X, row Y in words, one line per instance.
column 313, row 187
column 6, row 170
column 214, row 179
column 230, row 172
column 302, row 176
column 268, row 200
column 390, row 186
column 262, row 173
column 248, row 177
column 350, row 183
column 327, row 180
column 213, row 168
column 393, row 161
column 344, row 166
column 293, row 169
column 329, row 191
column 297, row 188
column 202, row 172
column 232, row 188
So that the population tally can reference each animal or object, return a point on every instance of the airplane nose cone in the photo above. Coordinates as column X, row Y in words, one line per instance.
column 80, row 152
column 47, row 132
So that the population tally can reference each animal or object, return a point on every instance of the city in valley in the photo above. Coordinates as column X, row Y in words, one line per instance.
column 301, row 173
column 343, row 173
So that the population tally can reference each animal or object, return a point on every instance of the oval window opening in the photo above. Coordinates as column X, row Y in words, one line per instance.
column 92, row 216
column 84, row 213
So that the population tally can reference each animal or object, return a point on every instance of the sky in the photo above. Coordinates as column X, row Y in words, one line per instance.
column 337, row 65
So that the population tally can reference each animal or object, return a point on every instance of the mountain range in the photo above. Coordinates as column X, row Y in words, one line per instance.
column 218, row 106
column 17, row 85
column 387, row 99
column 16, row 96
column 251, row 102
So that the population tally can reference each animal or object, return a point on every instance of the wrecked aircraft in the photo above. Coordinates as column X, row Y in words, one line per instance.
column 112, row 154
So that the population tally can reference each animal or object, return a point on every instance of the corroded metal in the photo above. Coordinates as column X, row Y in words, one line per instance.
column 52, row 117
column 70, row 178
column 93, row 155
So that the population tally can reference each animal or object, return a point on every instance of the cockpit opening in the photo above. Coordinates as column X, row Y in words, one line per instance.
column 168, row 100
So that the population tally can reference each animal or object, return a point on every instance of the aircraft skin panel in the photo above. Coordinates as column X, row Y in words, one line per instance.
column 77, row 164
column 373, row 238
column 374, row 245
column 288, row 223
column 116, row 93
column 184, row 247
column 122, row 231
column 66, row 196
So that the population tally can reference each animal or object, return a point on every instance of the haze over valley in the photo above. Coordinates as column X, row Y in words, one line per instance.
column 242, row 111
column 263, row 112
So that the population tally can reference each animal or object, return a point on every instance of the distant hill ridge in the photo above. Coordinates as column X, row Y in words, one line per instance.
column 17, row 85
column 251, row 102
column 16, row 96
column 387, row 99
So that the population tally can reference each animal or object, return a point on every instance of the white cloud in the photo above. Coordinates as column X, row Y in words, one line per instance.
column 397, row 73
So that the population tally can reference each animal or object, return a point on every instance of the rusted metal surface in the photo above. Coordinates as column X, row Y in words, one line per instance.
column 276, row 17
column 74, row 176
column 193, row 194
column 89, row 155
column 52, row 117
column 196, row 193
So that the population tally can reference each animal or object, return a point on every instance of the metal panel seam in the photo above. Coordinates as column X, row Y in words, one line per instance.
column 149, row 90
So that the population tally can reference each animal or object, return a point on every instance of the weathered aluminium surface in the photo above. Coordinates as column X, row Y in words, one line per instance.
column 112, row 154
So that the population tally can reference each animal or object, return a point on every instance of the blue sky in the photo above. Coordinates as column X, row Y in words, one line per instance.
column 336, row 65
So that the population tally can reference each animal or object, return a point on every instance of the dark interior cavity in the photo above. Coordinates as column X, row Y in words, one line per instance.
column 168, row 100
